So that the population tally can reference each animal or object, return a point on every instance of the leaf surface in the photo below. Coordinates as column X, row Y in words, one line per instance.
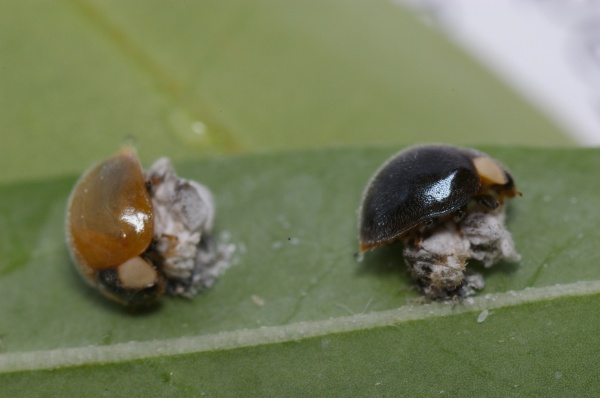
column 328, row 324
column 80, row 78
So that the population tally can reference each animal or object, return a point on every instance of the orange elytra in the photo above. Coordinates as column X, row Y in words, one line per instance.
column 110, row 226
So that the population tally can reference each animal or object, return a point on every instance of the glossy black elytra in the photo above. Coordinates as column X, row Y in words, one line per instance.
column 419, row 185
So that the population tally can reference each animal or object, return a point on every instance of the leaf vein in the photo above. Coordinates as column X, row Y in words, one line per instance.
column 78, row 356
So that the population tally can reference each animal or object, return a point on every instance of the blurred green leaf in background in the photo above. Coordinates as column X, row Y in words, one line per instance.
column 284, row 109
column 79, row 78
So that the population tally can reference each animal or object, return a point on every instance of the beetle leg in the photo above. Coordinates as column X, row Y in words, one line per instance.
column 431, row 222
column 419, row 241
column 460, row 214
column 416, row 241
column 488, row 201
column 459, row 231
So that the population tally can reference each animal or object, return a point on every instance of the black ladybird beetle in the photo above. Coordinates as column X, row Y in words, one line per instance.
column 426, row 185
column 109, row 228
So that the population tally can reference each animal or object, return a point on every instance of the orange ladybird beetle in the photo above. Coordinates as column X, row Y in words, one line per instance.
column 109, row 228
column 135, row 234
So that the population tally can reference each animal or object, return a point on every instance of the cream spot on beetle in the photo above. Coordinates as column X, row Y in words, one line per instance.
column 137, row 273
column 489, row 171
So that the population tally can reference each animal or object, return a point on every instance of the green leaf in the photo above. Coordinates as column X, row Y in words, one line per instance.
column 329, row 325
column 81, row 77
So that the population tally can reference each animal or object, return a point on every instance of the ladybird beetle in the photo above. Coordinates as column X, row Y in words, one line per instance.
column 424, row 186
column 135, row 234
column 110, row 227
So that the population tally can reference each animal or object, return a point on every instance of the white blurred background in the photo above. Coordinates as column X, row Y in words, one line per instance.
column 547, row 50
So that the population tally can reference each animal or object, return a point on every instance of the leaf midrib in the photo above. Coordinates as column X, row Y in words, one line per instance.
column 136, row 350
